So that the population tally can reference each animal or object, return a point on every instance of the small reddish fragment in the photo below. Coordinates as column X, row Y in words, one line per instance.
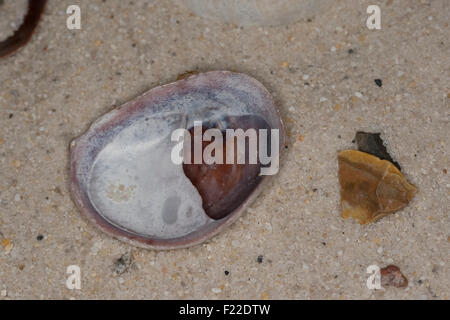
column 391, row 276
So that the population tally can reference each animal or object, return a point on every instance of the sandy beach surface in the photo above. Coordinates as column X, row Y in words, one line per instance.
column 292, row 243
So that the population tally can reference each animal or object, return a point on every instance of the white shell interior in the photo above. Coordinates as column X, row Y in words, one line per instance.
column 135, row 185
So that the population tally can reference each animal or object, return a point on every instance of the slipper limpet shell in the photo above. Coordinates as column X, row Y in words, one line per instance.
column 123, row 177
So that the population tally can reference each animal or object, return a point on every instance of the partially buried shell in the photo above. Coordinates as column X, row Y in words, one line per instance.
column 256, row 12
column 123, row 177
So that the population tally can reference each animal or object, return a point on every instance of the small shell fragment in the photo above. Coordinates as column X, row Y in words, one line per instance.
column 392, row 276
column 22, row 35
column 371, row 188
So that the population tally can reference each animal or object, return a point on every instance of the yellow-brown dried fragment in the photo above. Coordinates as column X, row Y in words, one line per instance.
column 371, row 188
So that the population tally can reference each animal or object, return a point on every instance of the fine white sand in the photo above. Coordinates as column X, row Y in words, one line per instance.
column 53, row 89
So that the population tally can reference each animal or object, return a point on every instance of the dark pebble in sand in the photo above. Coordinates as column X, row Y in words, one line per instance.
column 373, row 144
